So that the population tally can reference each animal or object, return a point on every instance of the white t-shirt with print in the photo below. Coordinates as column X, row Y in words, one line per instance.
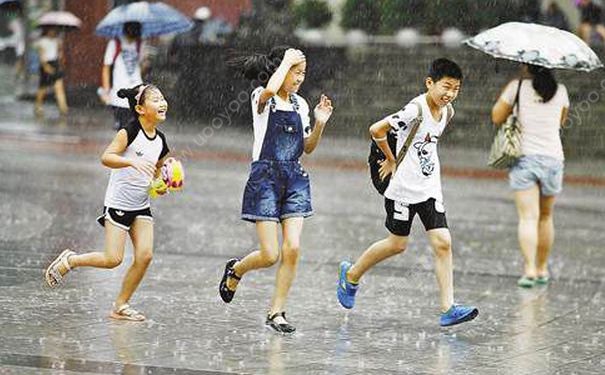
column 540, row 122
column 260, row 120
column 126, row 69
column 418, row 177
column 49, row 48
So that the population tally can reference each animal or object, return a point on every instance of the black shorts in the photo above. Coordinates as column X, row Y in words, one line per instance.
column 400, row 216
column 123, row 219
column 46, row 79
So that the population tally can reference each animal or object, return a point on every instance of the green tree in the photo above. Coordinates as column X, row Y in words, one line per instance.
column 313, row 14
column 362, row 14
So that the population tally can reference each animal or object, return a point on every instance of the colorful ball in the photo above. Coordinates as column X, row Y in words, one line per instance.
column 173, row 174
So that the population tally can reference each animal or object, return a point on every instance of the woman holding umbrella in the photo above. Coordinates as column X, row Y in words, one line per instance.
column 541, row 106
column 52, row 59
column 537, row 177
column 127, row 26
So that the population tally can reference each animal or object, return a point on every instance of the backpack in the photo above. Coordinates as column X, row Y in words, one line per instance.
column 376, row 155
column 118, row 42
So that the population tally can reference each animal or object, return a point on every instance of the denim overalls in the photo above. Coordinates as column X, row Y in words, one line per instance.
column 278, row 188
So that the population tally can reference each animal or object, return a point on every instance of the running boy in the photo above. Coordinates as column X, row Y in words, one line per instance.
column 415, row 188
column 278, row 192
column 135, row 155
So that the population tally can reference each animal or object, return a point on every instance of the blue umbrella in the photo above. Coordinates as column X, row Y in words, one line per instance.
column 155, row 18
column 9, row 2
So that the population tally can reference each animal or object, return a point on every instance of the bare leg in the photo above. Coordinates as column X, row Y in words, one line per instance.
column 292, row 229
column 546, row 234
column 441, row 241
column 60, row 95
column 141, row 234
column 263, row 258
column 601, row 31
column 528, row 209
column 584, row 31
column 376, row 253
column 115, row 240
column 40, row 94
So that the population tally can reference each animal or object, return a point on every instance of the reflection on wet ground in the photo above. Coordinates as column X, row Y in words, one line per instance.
column 50, row 197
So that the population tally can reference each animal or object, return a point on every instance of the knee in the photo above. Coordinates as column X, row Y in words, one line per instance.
column 144, row 257
column 442, row 246
column 290, row 252
column 270, row 257
column 112, row 261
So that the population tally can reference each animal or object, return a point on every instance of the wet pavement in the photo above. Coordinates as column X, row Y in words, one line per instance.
column 52, row 190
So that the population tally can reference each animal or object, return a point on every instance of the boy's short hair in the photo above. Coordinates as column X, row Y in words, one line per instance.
column 444, row 68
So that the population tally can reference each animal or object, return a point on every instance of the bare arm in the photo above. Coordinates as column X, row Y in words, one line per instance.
column 291, row 58
column 322, row 114
column 105, row 74
column 112, row 156
column 564, row 113
column 379, row 131
column 312, row 141
column 500, row 112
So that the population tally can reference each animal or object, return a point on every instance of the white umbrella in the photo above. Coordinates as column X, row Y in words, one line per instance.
column 537, row 45
column 60, row 19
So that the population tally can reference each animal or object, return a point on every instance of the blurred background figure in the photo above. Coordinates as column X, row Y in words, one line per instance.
column 554, row 16
column 123, row 66
column 206, row 30
column 590, row 21
column 50, row 53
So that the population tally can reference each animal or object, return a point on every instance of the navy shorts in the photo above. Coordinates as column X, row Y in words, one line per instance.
column 400, row 216
column 123, row 219
column 276, row 190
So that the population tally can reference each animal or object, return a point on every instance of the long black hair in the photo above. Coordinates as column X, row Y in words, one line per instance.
column 543, row 81
column 132, row 93
column 258, row 67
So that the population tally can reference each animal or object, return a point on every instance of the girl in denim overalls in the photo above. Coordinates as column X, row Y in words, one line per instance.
column 278, row 189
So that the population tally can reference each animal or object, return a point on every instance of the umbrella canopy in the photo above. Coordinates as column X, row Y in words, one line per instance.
column 155, row 18
column 9, row 3
column 60, row 19
column 538, row 45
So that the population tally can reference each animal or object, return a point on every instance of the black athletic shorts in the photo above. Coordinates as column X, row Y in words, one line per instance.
column 123, row 219
column 400, row 216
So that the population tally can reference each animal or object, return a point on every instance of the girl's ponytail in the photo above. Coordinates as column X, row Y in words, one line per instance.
column 131, row 95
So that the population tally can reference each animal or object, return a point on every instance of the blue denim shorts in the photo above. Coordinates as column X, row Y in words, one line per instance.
column 530, row 170
column 276, row 190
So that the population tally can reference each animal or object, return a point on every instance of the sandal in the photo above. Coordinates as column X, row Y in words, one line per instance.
column 125, row 312
column 542, row 280
column 284, row 328
column 526, row 282
column 224, row 291
column 52, row 274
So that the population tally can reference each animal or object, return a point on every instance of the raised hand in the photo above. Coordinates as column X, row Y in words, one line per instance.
column 323, row 110
column 293, row 57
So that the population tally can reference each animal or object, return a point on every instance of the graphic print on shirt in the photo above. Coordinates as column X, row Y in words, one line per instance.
column 131, row 60
column 425, row 150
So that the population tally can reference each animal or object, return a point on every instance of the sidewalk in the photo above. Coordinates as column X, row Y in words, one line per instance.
column 92, row 127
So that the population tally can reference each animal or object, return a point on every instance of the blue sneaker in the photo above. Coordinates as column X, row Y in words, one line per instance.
column 345, row 290
column 458, row 314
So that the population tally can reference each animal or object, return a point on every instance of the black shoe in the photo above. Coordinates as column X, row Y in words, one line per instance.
column 284, row 328
column 226, row 293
